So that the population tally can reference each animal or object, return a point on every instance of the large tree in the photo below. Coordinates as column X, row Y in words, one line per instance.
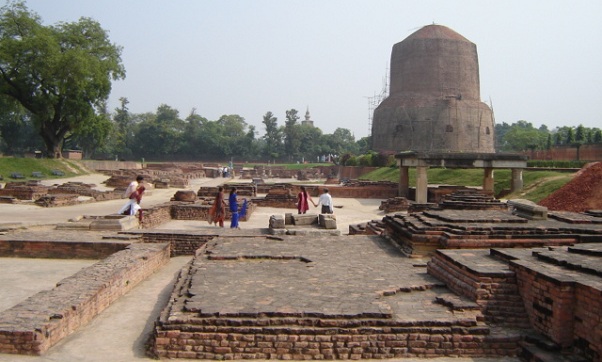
column 59, row 73
column 272, row 137
column 292, row 142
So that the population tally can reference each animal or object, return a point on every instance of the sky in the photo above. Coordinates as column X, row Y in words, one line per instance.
column 540, row 61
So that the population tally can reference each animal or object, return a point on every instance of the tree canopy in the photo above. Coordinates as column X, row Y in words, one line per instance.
column 61, row 74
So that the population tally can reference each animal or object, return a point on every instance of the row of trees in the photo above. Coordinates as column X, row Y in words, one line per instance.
column 163, row 135
column 522, row 136
column 55, row 81
column 54, row 84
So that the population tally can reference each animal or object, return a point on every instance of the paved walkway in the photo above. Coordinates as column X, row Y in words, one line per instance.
column 120, row 332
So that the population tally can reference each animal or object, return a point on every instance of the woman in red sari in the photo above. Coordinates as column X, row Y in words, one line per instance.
column 218, row 210
column 303, row 199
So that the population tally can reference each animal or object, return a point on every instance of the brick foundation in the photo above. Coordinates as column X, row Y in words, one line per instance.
column 34, row 325
column 58, row 249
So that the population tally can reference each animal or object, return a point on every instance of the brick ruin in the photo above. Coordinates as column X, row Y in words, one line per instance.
column 463, row 302
column 483, row 279
column 37, row 323
column 326, row 313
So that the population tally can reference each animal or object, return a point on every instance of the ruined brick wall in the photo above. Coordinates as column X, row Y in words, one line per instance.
column 566, row 153
column 190, row 212
column 337, row 342
column 549, row 304
column 39, row 322
column 111, row 165
column 563, row 309
column 156, row 215
column 495, row 292
column 180, row 244
column 588, row 321
column 58, row 249
column 28, row 190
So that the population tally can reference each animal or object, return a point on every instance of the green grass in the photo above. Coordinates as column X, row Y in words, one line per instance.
column 540, row 184
column 537, row 184
column 26, row 166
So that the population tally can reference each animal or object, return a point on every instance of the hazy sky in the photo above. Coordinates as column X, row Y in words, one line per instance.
column 540, row 61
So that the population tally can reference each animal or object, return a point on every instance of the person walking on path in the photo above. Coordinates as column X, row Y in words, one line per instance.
column 233, row 201
column 133, row 204
column 326, row 201
column 133, row 186
column 218, row 209
column 303, row 199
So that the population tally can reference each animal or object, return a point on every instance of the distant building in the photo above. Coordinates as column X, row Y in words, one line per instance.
column 434, row 97
column 307, row 120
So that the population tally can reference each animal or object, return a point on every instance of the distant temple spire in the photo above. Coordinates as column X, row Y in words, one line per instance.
column 308, row 120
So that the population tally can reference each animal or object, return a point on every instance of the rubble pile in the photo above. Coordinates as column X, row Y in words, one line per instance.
column 582, row 193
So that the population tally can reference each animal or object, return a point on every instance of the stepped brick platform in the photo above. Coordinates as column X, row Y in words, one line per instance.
column 318, row 298
column 559, row 290
column 471, row 199
column 37, row 323
column 422, row 233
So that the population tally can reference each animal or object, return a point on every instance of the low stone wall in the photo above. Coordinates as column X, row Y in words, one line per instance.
column 58, row 249
column 39, row 322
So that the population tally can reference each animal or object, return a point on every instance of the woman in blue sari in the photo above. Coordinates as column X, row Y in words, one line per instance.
column 233, row 201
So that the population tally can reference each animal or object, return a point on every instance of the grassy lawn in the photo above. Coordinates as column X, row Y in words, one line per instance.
column 26, row 166
column 537, row 184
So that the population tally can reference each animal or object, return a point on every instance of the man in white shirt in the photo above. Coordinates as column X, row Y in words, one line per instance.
column 326, row 201
column 133, row 186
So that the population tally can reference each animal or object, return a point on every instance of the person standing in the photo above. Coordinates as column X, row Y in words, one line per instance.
column 326, row 201
column 218, row 209
column 303, row 199
column 233, row 201
column 133, row 186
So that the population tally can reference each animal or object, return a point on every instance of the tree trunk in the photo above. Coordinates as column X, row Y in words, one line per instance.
column 53, row 145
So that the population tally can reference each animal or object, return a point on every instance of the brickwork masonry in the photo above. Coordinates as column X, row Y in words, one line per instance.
column 34, row 325
column 495, row 289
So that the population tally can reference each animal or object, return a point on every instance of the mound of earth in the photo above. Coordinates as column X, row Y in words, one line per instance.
column 582, row 193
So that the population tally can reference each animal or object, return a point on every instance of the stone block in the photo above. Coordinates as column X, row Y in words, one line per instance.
column 304, row 219
column 528, row 209
column 276, row 222
column 117, row 223
column 288, row 218
column 327, row 221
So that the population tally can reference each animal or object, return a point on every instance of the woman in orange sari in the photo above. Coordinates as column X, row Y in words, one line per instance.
column 218, row 209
